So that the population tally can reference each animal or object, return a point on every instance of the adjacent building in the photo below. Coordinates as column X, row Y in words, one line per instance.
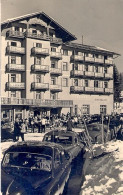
column 43, row 71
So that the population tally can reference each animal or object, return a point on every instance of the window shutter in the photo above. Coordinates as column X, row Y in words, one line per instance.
column 8, row 43
column 35, row 60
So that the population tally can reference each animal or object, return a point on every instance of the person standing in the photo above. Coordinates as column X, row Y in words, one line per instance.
column 17, row 131
column 69, row 124
column 43, row 123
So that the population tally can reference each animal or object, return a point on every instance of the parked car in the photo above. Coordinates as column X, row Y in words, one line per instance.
column 70, row 141
column 35, row 168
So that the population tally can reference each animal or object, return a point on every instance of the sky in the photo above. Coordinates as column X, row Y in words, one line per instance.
column 100, row 22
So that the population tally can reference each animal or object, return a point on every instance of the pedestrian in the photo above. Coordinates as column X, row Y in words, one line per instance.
column 69, row 124
column 26, row 124
column 17, row 131
column 32, row 125
column 43, row 123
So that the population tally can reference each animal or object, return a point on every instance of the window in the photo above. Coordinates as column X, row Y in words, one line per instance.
column 65, row 82
column 13, row 44
column 96, row 84
column 13, row 93
column 38, row 78
column 75, row 82
column 54, row 64
column 76, row 109
column 16, row 28
column 54, row 96
column 65, row 66
column 13, row 78
column 105, row 84
column 76, row 67
column 39, row 45
column 96, row 55
column 105, row 70
column 13, row 59
column 34, row 31
column 53, row 49
column 65, row 52
column 53, row 80
column 86, row 67
column 38, row 95
column 96, row 69
column 86, row 54
column 86, row 83
column 86, row 109
column 103, row 109
column 37, row 61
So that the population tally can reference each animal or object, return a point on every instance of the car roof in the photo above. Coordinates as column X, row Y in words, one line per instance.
column 62, row 132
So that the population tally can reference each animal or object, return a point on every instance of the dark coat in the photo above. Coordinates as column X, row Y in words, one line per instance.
column 17, row 129
column 69, row 125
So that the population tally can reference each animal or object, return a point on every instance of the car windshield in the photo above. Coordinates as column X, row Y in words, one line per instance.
column 28, row 160
column 61, row 139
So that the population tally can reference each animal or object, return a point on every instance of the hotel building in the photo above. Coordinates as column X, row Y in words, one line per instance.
column 43, row 71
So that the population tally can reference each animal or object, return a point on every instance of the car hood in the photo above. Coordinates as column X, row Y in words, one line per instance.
column 20, row 179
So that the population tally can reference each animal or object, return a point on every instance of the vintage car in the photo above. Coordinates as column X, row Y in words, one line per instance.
column 35, row 168
column 68, row 139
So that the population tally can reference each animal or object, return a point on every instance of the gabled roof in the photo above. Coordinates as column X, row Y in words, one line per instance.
column 66, row 36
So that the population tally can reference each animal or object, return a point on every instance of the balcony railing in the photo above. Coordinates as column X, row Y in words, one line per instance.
column 99, row 60
column 13, row 49
column 76, row 89
column 56, row 40
column 17, row 34
column 57, row 55
column 97, row 89
column 40, row 68
column 108, row 90
column 108, row 61
column 40, row 51
column 77, row 73
column 15, row 86
column 56, row 88
column 77, row 58
column 40, row 86
column 56, row 71
column 89, row 89
column 89, row 59
column 34, row 102
column 88, row 73
column 15, row 67
column 37, row 36
column 99, row 74
column 108, row 75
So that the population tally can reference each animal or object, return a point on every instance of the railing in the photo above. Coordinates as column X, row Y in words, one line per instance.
column 99, row 74
column 34, row 102
column 40, row 86
column 89, row 88
column 99, row 60
column 40, row 68
column 77, row 57
column 108, row 90
column 15, row 85
column 78, row 89
column 56, row 87
column 108, row 75
column 15, row 67
column 77, row 73
column 41, row 51
column 56, row 55
column 97, row 89
column 56, row 71
column 89, row 59
column 38, row 36
column 55, row 40
column 13, row 49
column 13, row 33
column 108, row 61
column 88, row 73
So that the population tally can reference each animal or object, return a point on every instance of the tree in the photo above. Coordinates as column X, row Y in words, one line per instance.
column 117, row 85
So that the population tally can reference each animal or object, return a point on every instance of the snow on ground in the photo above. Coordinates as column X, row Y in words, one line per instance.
column 105, row 173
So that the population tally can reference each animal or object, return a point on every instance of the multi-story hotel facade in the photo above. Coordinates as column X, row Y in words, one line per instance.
column 42, row 70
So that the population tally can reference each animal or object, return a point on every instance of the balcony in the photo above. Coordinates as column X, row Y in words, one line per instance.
column 77, row 89
column 56, row 88
column 40, row 86
column 108, row 61
column 40, row 68
column 99, row 60
column 39, row 103
column 89, row 89
column 16, row 34
column 108, row 75
column 40, row 51
column 56, row 71
column 15, row 67
column 77, row 73
column 99, row 74
column 15, row 86
column 56, row 55
column 56, row 40
column 89, row 59
column 99, row 90
column 108, row 90
column 38, row 36
column 77, row 58
column 13, row 49
column 89, row 74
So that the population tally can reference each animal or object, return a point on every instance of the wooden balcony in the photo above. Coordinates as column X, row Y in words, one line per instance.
column 109, row 62
column 40, row 68
column 99, row 90
column 89, row 59
column 55, row 40
column 37, row 36
column 77, row 58
column 99, row 60
column 56, row 55
column 77, row 89
column 77, row 73
column 40, row 86
column 37, row 103
column 108, row 76
column 99, row 74
column 15, row 67
column 15, row 86
column 16, row 34
column 13, row 49
column 56, row 71
column 40, row 51
column 108, row 90
column 56, row 88
column 89, row 74
column 89, row 89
